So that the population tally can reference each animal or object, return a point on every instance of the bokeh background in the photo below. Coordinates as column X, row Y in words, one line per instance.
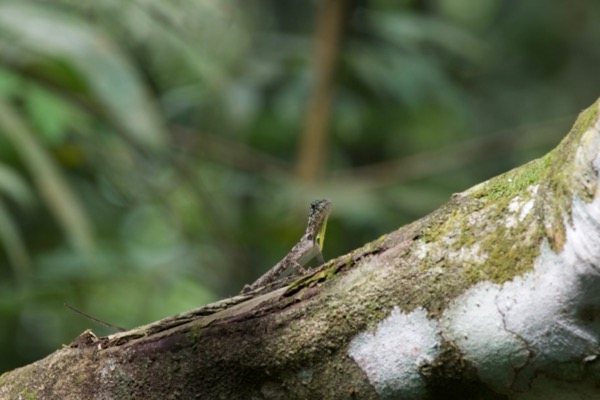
column 156, row 155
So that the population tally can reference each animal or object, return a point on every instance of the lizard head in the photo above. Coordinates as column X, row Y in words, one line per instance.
column 317, row 220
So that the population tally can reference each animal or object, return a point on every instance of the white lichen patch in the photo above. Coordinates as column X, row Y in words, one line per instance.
column 421, row 250
column 465, row 254
column 475, row 325
column 480, row 220
column 519, row 208
column 527, row 207
column 534, row 337
column 555, row 308
column 391, row 356
column 544, row 323
column 471, row 254
column 108, row 369
column 515, row 204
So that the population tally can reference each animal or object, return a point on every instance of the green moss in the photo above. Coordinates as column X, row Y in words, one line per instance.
column 25, row 393
column 548, row 182
column 26, row 375
column 334, row 267
column 28, row 395
column 195, row 332
column 514, row 182
column 482, row 234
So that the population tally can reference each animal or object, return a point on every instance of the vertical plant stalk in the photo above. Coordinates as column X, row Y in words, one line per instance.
column 52, row 186
column 313, row 141
column 14, row 246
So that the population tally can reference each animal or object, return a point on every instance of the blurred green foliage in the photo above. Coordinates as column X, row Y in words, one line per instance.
column 146, row 147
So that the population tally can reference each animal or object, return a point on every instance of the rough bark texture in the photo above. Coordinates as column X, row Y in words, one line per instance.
column 493, row 296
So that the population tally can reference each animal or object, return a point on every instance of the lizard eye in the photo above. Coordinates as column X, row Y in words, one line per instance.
column 316, row 204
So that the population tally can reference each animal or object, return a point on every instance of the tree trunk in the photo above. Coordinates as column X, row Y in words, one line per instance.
column 496, row 295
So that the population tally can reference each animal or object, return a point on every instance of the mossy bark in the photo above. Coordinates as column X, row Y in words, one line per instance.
column 292, row 342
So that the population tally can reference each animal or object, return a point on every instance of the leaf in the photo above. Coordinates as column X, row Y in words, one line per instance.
column 49, row 114
column 14, row 246
column 52, row 186
column 13, row 185
column 9, row 83
column 411, row 31
column 37, row 31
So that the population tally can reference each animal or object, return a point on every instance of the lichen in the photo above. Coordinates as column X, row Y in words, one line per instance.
column 479, row 215
column 20, row 391
column 491, row 233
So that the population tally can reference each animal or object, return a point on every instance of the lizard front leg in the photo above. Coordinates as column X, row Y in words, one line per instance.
column 298, row 268
column 307, row 248
column 275, row 274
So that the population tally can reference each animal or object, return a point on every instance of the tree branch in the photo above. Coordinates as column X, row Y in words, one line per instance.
column 494, row 295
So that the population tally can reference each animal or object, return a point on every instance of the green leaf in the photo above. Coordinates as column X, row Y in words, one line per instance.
column 50, row 114
column 9, row 83
column 13, row 185
column 410, row 31
column 36, row 33
column 49, row 181
column 14, row 246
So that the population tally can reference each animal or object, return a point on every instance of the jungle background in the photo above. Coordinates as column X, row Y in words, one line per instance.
column 156, row 155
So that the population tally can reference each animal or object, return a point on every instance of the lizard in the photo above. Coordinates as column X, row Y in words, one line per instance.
column 308, row 247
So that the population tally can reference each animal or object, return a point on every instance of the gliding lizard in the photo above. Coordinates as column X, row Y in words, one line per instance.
column 309, row 246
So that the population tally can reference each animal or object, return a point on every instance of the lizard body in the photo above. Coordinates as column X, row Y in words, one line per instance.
column 308, row 247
